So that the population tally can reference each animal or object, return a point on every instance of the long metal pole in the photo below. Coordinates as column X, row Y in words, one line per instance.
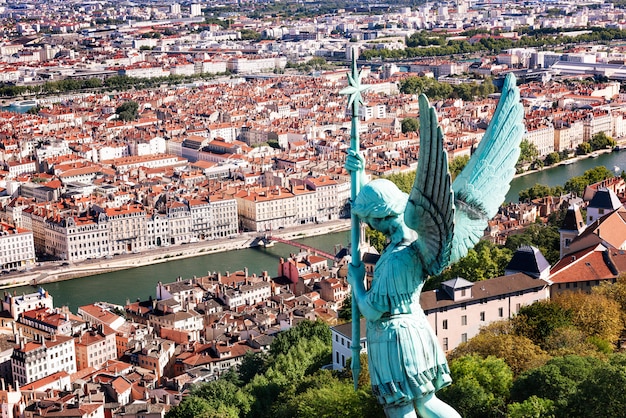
column 354, row 90
column 355, row 237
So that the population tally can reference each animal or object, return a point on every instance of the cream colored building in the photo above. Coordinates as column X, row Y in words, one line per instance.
column 596, row 122
column 75, row 239
column 17, row 247
column 266, row 208
column 568, row 136
column 95, row 346
column 542, row 136
column 33, row 360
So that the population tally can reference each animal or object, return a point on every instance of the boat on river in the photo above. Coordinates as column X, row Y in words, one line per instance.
column 25, row 103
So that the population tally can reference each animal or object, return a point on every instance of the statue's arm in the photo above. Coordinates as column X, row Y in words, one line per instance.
column 355, row 162
column 430, row 208
column 356, row 276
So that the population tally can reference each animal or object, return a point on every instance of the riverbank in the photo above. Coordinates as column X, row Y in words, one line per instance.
column 58, row 271
column 621, row 142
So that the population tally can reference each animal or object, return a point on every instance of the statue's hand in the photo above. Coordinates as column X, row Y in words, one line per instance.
column 356, row 274
column 355, row 161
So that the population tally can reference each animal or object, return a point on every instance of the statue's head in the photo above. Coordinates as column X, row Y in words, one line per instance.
column 378, row 199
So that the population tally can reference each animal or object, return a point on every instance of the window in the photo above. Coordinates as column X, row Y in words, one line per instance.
column 444, row 325
column 464, row 320
column 482, row 316
column 500, row 312
column 445, row 344
column 464, row 338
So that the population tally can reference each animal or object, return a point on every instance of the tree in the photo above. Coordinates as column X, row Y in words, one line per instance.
column 601, row 141
column 601, row 393
column 557, row 381
column 498, row 340
column 190, row 407
column 410, row 125
column 224, row 395
column 584, row 148
column 528, row 152
column 305, row 330
column 552, row 158
column 251, row 365
column 594, row 175
column 594, row 314
column 345, row 312
column 404, row 181
column 376, row 239
column 481, row 386
column 484, row 261
column 325, row 396
column 539, row 320
column 533, row 407
column 538, row 191
column 128, row 111
column 457, row 165
column 545, row 237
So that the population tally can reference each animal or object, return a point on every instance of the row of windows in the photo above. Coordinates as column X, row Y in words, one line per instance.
column 444, row 323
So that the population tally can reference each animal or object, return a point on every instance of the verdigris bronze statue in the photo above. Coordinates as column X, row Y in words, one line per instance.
column 427, row 230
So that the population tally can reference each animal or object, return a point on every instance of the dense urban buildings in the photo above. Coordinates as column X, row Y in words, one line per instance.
column 154, row 126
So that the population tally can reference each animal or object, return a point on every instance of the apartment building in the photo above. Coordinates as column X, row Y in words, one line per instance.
column 18, row 304
column 127, row 228
column 568, row 135
column 76, row 238
column 98, row 314
column 542, row 136
column 43, row 322
column 597, row 121
column 154, row 354
column 246, row 295
column 180, row 222
column 17, row 247
column 266, row 208
column 33, row 360
column 331, row 195
column 183, row 320
column 95, row 346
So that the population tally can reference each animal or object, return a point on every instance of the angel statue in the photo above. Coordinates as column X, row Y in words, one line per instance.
column 427, row 230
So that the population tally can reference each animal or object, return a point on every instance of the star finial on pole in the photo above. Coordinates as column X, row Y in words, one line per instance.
column 355, row 88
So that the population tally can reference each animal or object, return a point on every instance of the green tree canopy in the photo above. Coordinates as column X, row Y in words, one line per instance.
column 601, row 141
column 410, row 125
column 485, row 261
column 543, row 236
column 557, row 381
column 481, row 386
column 533, row 407
column 128, row 111
column 539, row 320
column 457, row 165
column 499, row 340
column 528, row 152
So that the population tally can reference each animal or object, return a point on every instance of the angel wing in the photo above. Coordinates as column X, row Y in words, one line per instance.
column 482, row 185
column 430, row 208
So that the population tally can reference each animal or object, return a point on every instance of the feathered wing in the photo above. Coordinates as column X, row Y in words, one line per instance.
column 482, row 185
column 430, row 208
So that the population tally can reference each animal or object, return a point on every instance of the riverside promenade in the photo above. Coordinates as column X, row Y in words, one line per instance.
column 53, row 271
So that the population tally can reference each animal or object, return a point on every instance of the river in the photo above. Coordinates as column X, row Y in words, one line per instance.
column 557, row 176
column 119, row 286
